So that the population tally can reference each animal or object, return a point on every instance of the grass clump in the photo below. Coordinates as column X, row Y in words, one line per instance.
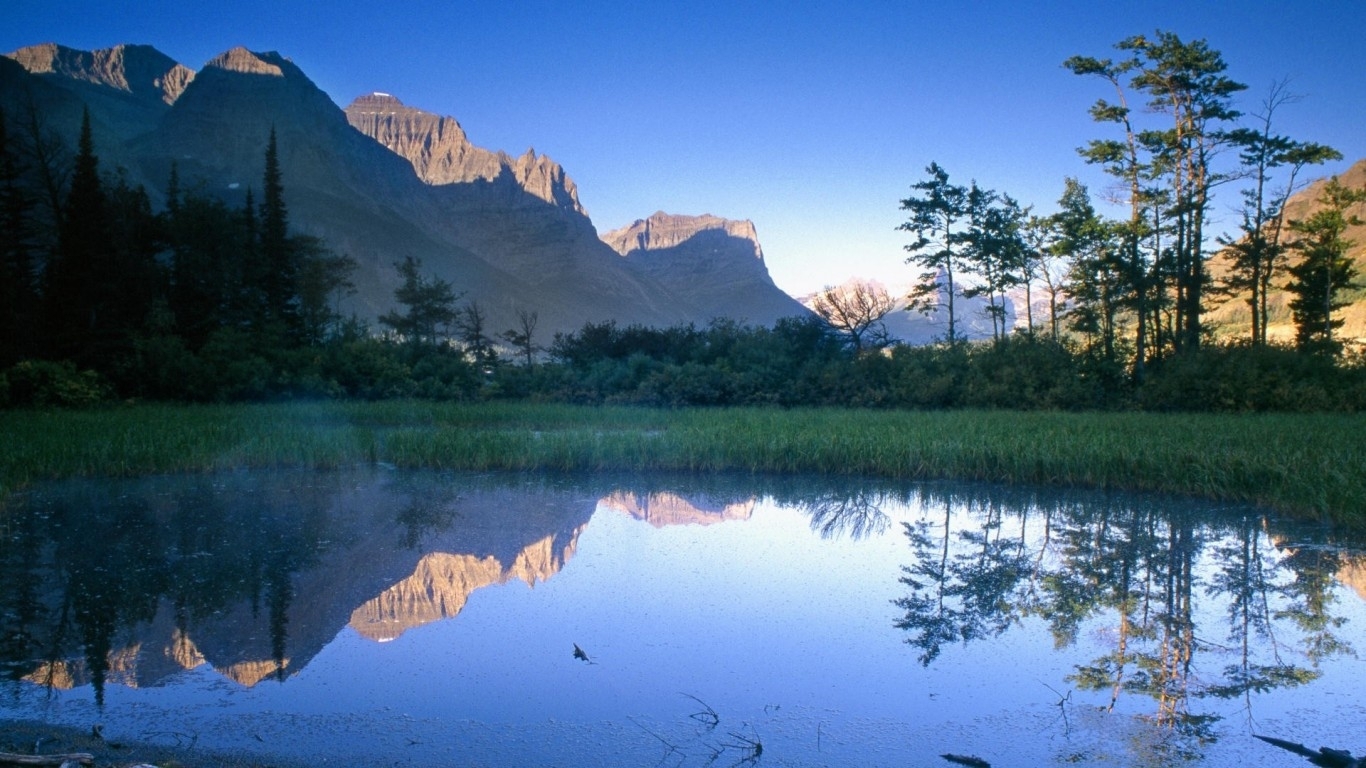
column 1306, row 464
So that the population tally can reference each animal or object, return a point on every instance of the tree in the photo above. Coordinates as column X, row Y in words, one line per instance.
column 1258, row 253
column 1324, row 269
column 324, row 277
column 80, row 268
column 19, row 297
column 1095, row 278
column 278, row 255
column 430, row 304
column 995, row 251
column 855, row 310
column 470, row 323
column 1039, row 235
column 523, row 337
column 935, row 221
column 1187, row 82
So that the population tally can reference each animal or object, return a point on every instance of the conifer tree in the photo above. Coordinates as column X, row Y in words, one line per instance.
column 18, row 275
column 1324, row 270
column 277, row 253
column 935, row 220
column 80, row 267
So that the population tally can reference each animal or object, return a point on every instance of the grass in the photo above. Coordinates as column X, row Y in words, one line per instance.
column 1311, row 465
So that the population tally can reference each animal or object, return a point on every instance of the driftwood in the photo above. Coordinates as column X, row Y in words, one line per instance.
column 1326, row 757
column 972, row 760
column 84, row 758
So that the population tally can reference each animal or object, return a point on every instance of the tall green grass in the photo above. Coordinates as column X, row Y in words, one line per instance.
column 1307, row 464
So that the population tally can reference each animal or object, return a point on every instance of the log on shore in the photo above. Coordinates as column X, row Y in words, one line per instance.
column 9, row 758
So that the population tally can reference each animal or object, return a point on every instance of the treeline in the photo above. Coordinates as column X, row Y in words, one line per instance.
column 1135, row 290
column 105, row 297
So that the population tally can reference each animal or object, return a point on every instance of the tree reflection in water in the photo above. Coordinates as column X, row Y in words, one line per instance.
column 1139, row 573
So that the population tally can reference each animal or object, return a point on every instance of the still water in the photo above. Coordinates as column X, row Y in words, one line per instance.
column 392, row 618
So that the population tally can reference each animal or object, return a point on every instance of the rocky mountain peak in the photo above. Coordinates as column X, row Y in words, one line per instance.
column 441, row 153
column 684, row 252
column 140, row 70
column 662, row 231
column 247, row 62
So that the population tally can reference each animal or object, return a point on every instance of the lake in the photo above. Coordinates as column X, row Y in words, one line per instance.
column 386, row 617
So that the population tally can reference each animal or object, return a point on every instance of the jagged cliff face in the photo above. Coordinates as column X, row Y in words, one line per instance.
column 507, row 232
column 441, row 153
column 443, row 583
column 716, row 262
column 665, row 509
column 139, row 70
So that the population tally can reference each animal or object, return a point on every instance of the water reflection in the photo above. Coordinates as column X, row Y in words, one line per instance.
column 747, row 593
column 1190, row 607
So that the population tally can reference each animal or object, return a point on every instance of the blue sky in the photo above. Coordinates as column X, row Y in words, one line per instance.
column 811, row 119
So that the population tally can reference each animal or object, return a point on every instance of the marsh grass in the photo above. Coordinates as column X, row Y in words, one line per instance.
column 1308, row 464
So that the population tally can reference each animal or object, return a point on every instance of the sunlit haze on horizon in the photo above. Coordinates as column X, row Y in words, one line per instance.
column 812, row 120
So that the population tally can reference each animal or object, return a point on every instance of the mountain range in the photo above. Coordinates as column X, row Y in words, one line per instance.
column 380, row 181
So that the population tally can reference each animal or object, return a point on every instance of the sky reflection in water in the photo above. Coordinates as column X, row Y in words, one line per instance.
column 425, row 619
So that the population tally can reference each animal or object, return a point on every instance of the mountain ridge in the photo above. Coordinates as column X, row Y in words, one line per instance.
column 509, row 232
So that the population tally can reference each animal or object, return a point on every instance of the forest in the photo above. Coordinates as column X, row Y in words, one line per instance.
column 104, row 299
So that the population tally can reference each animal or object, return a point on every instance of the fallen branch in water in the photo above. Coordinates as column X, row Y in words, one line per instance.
column 972, row 760
column 84, row 758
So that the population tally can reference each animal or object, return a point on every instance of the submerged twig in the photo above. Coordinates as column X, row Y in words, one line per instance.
column 707, row 716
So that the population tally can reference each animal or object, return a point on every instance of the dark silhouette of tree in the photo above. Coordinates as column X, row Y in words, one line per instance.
column 523, row 337
column 1324, row 270
column 472, row 329
column 79, row 272
column 19, row 296
column 429, row 302
column 278, row 255
column 324, row 278
column 856, row 310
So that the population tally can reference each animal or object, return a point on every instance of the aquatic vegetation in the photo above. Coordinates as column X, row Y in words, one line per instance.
column 1303, row 463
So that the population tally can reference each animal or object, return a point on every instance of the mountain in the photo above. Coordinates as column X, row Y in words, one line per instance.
column 378, row 181
column 1232, row 319
column 716, row 262
column 441, row 153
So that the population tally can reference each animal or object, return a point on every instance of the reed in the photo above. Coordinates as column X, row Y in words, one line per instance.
column 1305, row 464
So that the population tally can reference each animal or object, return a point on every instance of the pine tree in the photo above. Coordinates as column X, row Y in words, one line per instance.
column 81, row 265
column 1324, row 270
column 935, row 220
column 278, row 255
column 18, row 278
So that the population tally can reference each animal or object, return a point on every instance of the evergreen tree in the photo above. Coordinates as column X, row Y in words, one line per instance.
column 19, row 295
column 935, row 220
column 81, row 267
column 278, row 256
column 1258, row 252
column 430, row 304
column 1324, row 270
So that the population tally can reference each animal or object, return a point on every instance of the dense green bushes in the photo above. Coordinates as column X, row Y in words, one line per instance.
column 799, row 362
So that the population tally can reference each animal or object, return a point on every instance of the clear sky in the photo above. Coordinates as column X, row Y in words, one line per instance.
column 810, row 118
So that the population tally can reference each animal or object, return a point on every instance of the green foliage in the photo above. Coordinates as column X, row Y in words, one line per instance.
column 41, row 384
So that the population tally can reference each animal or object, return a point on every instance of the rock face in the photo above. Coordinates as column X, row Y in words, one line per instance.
column 507, row 231
column 441, row 153
column 139, row 70
column 715, row 262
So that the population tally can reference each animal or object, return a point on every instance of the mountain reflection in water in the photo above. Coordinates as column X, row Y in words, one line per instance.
column 1173, row 616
